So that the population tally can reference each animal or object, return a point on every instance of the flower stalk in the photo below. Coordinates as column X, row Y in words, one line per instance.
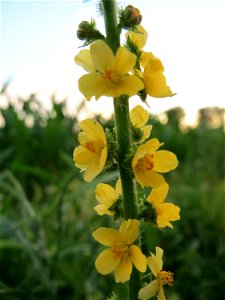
column 123, row 130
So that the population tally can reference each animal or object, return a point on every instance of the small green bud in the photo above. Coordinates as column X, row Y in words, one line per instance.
column 87, row 32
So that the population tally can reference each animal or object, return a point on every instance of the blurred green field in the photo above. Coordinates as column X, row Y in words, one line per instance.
column 47, row 217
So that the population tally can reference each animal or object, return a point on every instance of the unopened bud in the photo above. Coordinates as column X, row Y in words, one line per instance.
column 85, row 30
column 130, row 17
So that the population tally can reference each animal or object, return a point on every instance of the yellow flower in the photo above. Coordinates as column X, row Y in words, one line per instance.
column 109, row 74
column 139, row 117
column 107, row 195
column 91, row 155
column 154, row 80
column 138, row 38
column 122, row 254
column 147, row 162
column 165, row 212
column 155, row 263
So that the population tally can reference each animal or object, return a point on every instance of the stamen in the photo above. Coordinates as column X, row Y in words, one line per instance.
column 146, row 162
column 111, row 77
column 120, row 250
column 166, row 277
column 94, row 146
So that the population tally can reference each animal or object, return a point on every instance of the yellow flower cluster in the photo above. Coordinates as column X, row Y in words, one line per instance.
column 130, row 71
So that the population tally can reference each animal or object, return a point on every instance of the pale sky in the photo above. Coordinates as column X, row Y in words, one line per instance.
column 38, row 44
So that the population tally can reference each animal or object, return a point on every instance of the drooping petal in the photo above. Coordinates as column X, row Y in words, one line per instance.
column 148, row 178
column 106, row 262
column 158, row 194
column 83, row 59
column 155, row 86
column 93, row 84
column 149, row 290
column 138, row 38
column 154, row 80
column 138, row 258
column 155, row 262
column 129, row 231
column 164, row 161
column 123, row 270
column 167, row 212
column 102, row 56
column 139, row 116
column 145, row 57
column 106, row 236
column 124, row 61
column 153, row 64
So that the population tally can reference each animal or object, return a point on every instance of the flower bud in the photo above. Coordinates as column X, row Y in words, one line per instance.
column 85, row 30
column 130, row 17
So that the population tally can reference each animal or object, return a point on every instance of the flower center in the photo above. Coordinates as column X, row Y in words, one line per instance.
column 111, row 77
column 146, row 162
column 94, row 146
column 166, row 277
column 120, row 250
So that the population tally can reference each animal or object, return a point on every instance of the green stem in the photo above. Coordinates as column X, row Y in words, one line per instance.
column 122, row 120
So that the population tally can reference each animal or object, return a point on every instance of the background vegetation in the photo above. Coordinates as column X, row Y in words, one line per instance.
column 47, row 217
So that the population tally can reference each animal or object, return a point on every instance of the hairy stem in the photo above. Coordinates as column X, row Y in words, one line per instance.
column 123, row 129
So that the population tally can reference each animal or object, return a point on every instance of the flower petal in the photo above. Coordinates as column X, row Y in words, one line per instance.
column 161, row 295
column 123, row 270
column 106, row 236
column 149, row 290
column 167, row 212
column 102, row 209
column 124, row 61
column 101, row 56
column 93, row 129
column 164, row 161
column 154, row 80
column 96, row 166
column 155, row 262
column 82, row 156
column 146, row 132
column 139, row 116
column 148, row 148
column 155, row 85
column 127, row 85
column 138, row 38
column 93, row 84
column 138, row 258
column 83, row 59
column 105, row 194
column 129, row 231
column 148, row 178
column 106, row 262
column 158, row 194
